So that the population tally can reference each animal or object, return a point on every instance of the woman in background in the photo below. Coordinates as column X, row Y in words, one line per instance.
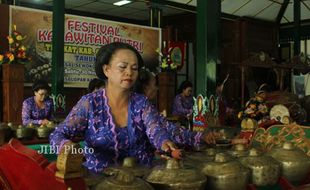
column 39, row 108
column 95, row 84
column 146, row 84
column 183, row 102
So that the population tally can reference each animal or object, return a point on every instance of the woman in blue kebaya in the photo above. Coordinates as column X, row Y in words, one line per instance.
column 183, row 102
column 38, row 109
column 115, row 122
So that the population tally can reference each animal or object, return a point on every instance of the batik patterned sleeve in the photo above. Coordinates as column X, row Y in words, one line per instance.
column 183, row 136
column 74, row 125
column 156, row 133
column 178, row 108
column 26, row 114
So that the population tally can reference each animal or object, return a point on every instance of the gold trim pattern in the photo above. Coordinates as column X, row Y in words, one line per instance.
column 278, row 134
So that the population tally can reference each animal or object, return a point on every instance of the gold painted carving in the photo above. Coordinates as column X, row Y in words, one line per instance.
column 277, row 134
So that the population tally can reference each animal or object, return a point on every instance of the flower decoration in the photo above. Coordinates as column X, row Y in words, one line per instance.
column 17, row 52
column 165, row 61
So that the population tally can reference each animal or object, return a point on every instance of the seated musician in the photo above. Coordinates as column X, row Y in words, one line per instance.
column 116, row 122
column 39, row 108
column 183, row 102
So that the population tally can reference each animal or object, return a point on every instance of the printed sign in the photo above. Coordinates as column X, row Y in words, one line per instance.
column 83, row 37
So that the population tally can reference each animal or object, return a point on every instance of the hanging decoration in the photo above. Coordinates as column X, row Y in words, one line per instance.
column 172, row 58
column 205, row 112
column 59, row 103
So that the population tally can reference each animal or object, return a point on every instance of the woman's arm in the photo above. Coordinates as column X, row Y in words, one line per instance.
column 183, row 136
column 75, row 124
column 160, row 131
column 156, row 133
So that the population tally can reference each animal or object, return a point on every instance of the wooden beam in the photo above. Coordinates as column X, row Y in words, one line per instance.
column 180, row 6
column 282, row 11
column 190, row 8
column 305, row 5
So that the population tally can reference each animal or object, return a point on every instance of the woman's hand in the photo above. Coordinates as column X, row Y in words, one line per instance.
column 44, row 122
column 171, row 148
column 168, row 146
column 210, row 137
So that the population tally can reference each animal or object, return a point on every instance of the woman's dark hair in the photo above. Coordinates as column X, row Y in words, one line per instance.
column 40, row 84
column 142, row 81
column 185, row 84
column 95, row 83
column 105, row 53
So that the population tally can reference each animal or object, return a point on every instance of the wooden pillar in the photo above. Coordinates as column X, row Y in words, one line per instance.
column 155, row 15
column 208, row 22
column 58, row 50
column 166, row 80
column 4, row 46
column 296, row 27
column 13, row 92
column 4, row 29
column 166, row 85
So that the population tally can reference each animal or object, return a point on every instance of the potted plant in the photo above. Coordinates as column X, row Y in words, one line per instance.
column 17, row 54
column 165, row 61
column 12, row 63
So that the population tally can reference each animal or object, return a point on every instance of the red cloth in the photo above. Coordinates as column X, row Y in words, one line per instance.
column 268, row 123
column 23, row 168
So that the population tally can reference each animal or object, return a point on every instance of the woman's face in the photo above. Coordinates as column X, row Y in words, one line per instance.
column 40, row 95
column 150, row 90
column 187, row 91
column 122, row 71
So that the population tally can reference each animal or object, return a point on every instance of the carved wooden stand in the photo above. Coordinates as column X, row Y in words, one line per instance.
column 13, row 92
column 166, row 83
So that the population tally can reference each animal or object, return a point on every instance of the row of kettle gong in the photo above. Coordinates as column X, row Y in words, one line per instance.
column 226, row 170
column 286, row 160
column 8, row 131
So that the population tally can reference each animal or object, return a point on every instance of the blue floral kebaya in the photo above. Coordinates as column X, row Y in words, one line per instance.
column 31, row 113
column 146, row 130
column 182, row 105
